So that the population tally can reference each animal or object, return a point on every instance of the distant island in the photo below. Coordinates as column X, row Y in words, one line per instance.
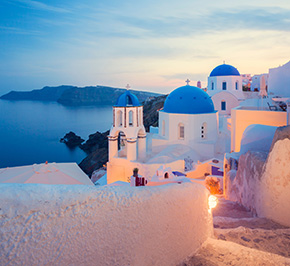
column 72, row 95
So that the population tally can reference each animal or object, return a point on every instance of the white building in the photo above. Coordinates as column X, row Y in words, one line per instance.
column 245, row 115
column 259, row 81
column 279, row 81
column 188, row 132
column 189, row 118
column 225, row 86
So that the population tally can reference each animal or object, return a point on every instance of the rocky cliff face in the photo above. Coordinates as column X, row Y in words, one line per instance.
column 150, row 111
column 97, row 144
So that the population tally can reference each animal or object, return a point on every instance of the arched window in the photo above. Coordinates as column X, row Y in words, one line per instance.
column 212, row 85
column 131, row 118
column 203, row 130
column 119, row 118
column 237, row 85
column 181, row 131
column 163, row 128
column 223, row 105
column 224, row 85
column 166, row 175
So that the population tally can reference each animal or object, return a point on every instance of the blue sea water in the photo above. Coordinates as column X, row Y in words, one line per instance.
column 30, row 131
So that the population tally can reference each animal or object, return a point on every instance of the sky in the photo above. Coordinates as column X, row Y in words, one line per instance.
column 152, row 45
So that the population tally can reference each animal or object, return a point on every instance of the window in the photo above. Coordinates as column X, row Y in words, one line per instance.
column 223, row 105
column 212, row 86
column 163, row 128
column 181, row 131
column 119, row 118
column 131, row 118
column 203, row 130
column 224, row 85
column 237, row 85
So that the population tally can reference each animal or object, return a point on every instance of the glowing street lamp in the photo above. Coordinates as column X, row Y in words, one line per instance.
column 212, row 202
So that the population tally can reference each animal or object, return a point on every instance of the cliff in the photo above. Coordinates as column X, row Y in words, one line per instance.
column 44, row 94
column 98, row 95
column 97, row 145
column 72, row 95
column 150, row 111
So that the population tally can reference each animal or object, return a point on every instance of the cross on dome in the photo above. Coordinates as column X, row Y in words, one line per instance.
column 187, row 81
column 128, row 87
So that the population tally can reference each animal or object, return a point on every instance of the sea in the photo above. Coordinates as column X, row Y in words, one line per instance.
column 30, row 131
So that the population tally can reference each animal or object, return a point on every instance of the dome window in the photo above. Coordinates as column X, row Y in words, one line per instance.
column 237, row 85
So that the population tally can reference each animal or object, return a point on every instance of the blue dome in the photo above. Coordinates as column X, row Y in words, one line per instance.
column 188, row 100
column 127, row 99
column 224, row 70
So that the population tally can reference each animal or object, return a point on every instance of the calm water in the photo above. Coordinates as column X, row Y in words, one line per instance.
column 30, row 131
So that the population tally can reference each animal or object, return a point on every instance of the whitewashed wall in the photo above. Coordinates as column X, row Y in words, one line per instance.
column 262, row 182
column 231, row 102
column 231, row 84
column 81, row 225
column 279, row 80
column 242, row 118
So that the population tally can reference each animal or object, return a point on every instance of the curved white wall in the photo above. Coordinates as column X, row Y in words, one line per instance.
column 230, row 100
column 192, row 127
column 84, row 225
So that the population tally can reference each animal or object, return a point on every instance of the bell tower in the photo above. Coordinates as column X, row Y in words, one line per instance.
column 127, row 137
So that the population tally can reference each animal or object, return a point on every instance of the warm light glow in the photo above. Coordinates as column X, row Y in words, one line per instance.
column 212, row 202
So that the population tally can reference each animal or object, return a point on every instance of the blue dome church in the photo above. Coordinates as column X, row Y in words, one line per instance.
column 189, row 118
column 225, row 87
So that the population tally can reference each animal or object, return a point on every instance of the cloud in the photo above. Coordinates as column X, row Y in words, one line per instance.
column 15, row 30
column 184, row 76
column 42, row 6
column 268, row 18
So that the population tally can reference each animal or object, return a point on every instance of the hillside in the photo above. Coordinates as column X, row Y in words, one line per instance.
column 98, row 95
column 44, row 94
column 72, row 95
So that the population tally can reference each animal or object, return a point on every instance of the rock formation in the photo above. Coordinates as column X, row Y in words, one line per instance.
column 72, row 140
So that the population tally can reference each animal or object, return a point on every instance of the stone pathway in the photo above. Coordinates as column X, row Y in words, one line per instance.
column 242, row 239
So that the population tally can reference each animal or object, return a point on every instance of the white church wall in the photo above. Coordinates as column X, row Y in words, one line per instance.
column 279, row 80
column 242, row 118
column 230, row 83
column 85, row 225
column 192, row 128
column 230, row 100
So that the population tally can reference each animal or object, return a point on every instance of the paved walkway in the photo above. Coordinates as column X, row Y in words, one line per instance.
column 242, row 239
